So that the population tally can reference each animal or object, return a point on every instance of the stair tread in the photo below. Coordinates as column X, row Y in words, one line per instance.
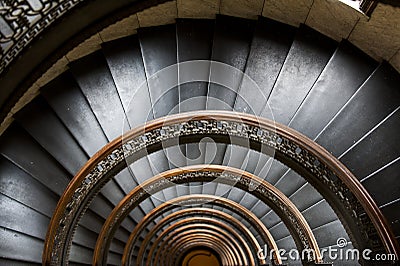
column 41, row 166
column 35, row 160
column 39, row 120
column 101, row 93
column 71, row 106
column 159, row 52
column 146, row 168
column 376, row 150
column 290, row 183
column 343, row 75
column 308, row 56
column 231, row 46
column 17, row 217
column 302, row 199
column 95, row 222
column 194, row 40
column 87, row 238
column 29, row 248
column 124, row 59
column 321, row 214
column 375, row 100
column 385, row 178
column 94, row 79
column 7, row 261
column 80, row 254
column 317, row 212
column 288, row 244
column 17, row 184
column 279, row 231
column 240, row 158
column 271, row 43
column 104, row 209
column 328, row 234
column 392, row 213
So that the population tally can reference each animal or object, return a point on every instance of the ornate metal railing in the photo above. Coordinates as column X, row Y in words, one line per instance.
column 190, row 226
column 188, row 214
column 200, row 200
column 258, row 187
column 226, row 245
column 331, row 178
column 23, row 20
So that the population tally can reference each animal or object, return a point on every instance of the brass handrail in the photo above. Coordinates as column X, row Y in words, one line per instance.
column 199, row 199
column 194, row 212
column 192, row 244
column 246, row 181
column 215, row 244
column 330, row 177
column 240, row 249
column 192, row 239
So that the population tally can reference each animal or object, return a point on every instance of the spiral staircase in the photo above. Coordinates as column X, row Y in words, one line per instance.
column 329, row 91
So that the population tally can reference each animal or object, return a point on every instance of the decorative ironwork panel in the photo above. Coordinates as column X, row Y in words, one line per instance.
column 22, row 20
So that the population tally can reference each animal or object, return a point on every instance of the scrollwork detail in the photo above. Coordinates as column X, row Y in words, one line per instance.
column 271, row 139
column 22, row 20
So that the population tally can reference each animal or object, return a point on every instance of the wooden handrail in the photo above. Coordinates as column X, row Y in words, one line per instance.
column 191, row 245
column 193, row 213
column 199, row 199
column 194, row 239
column 282, row 205
column 240, row 248
column 214, row 242
column 58, row 238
